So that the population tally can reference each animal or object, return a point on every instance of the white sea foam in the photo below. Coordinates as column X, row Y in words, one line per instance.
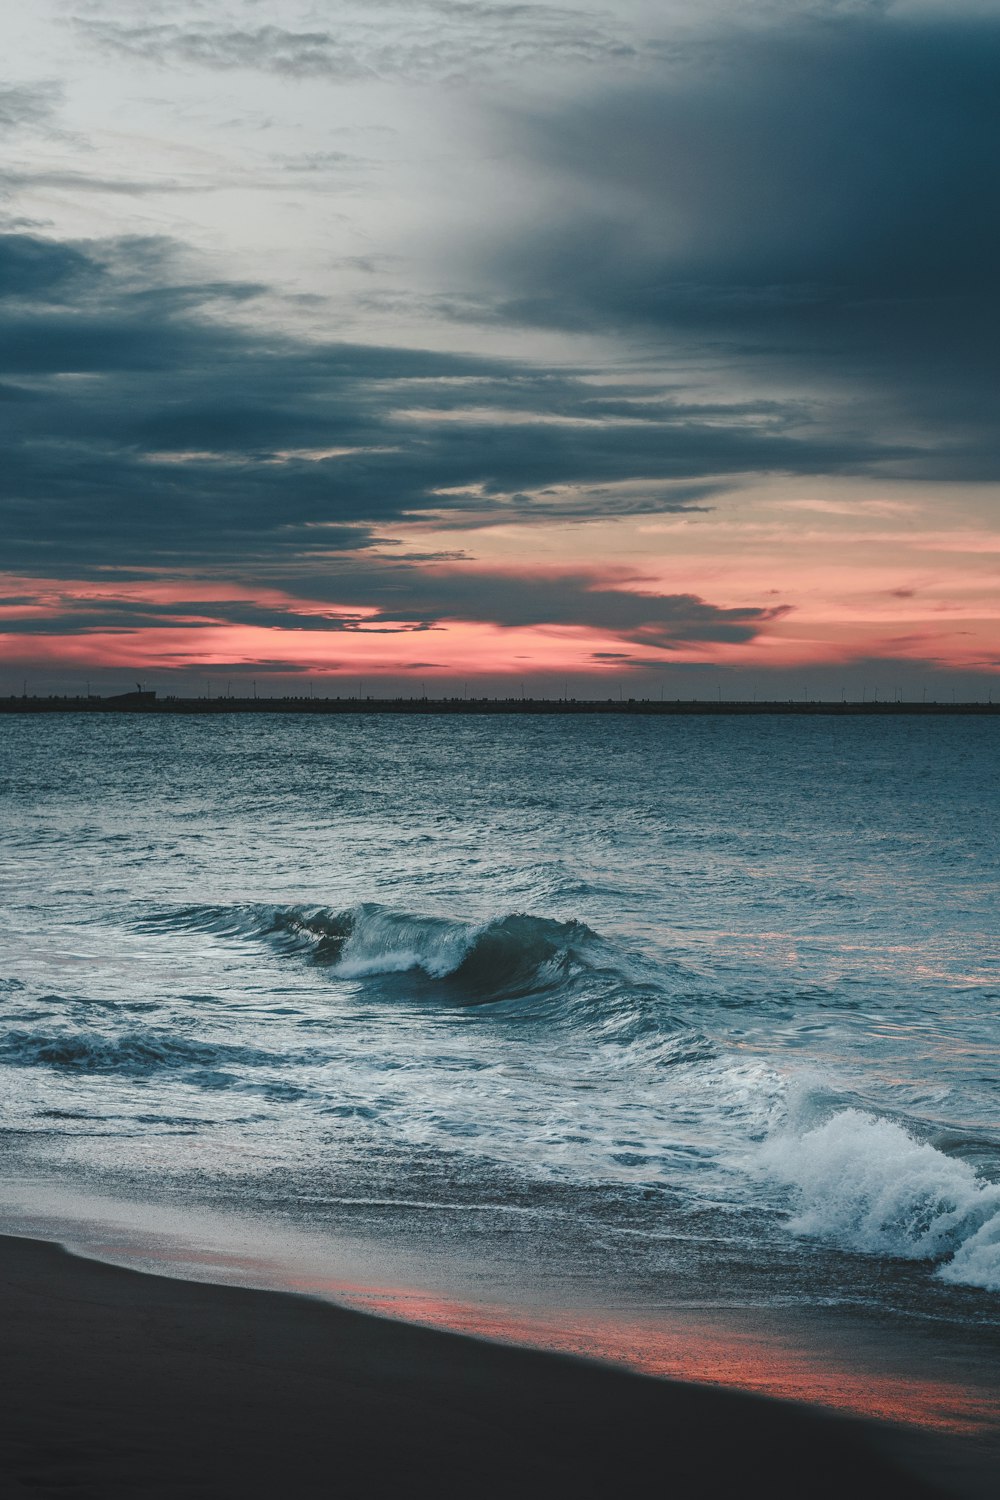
column 867, row 1184
column 977, row 1261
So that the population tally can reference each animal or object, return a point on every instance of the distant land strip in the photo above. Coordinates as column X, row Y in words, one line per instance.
column 151, row 703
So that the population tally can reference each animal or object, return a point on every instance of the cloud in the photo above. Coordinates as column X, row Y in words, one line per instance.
column 27, row 104
column 154, row 426
column 428, row 41
column 13, row 180
column 595, row 600
column 32, row 269
column 812, row 202
column 380, row 597
column 776, row 239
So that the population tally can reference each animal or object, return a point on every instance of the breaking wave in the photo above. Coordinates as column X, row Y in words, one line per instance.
column 865, row 1183
column 508, row 957
column 521, row 968
column 504, row 958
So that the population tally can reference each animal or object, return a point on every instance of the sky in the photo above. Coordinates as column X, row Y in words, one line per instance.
column 490, row 345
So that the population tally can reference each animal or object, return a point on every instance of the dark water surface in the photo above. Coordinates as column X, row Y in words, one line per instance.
column 634, row 1012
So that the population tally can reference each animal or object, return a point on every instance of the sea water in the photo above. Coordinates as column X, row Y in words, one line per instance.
column 677, row 1011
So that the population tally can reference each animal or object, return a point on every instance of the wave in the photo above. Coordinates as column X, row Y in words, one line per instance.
column 508, row 957
column 132, row 1052
column 503, row 958
column 524, row 969
column 865, row 1183
column 313, row 932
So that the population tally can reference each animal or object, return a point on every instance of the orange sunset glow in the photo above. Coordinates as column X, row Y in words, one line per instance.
column 844, row 581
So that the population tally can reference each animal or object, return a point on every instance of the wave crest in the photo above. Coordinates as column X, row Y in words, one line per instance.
column 506, row 958
column 502, row 958
column 533, row 969
column 867, row 1184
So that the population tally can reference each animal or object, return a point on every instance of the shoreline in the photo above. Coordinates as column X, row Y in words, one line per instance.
column 149, row 703
column 126, row 1383
column 842, row 1359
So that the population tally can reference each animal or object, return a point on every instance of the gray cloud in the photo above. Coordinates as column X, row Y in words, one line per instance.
column 149, row 428
column 32, row 268
column 529, row 598
column 13, row 180
column 430, row 41
column 27, row 104
column 393, row 599
column 813, row 202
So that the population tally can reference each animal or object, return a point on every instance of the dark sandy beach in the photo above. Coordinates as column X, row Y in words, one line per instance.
column 123, row 1384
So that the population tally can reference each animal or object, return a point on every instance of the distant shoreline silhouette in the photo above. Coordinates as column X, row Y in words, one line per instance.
column 148, row 702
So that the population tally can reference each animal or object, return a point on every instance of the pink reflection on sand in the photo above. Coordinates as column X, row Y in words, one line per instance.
column 857, row 1377
column 683, row 1349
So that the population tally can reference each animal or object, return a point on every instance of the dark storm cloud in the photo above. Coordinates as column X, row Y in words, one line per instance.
column 152, row 427
column 409, row 599
column 816, row 200
column 527, row 599
column 31, row 268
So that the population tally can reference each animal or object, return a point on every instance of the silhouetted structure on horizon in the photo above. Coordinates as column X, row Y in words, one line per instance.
column 144, row 701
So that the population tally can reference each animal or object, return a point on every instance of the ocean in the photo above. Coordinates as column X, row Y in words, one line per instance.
column 633, row 1015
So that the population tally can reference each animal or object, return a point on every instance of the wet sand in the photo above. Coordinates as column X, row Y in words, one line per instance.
column 122, row 1384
